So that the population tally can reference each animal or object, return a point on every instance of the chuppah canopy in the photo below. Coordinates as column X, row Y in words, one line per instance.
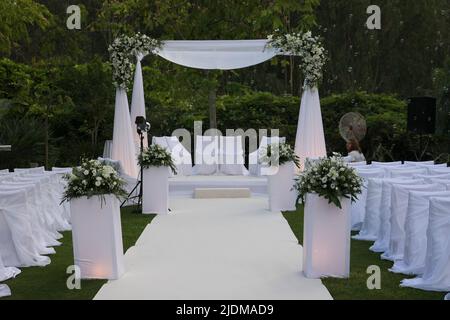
column 218, row 54
column 213, row 55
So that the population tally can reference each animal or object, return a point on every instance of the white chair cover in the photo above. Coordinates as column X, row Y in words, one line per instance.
column 416, row 226
column 50, row 190
column 40, row 232
column 436, row 276
column 5, row 291
column 371, row 224
column 399, row 209
column 443, row 182
column 440, row 170
column 17, row 245
column 62, row 170
column 430, row 177
column 357, row 164
column 7, row 273
column 420, row 163
column 407, row 172
column 386, row 164
column 384, row 231
column 359, row 206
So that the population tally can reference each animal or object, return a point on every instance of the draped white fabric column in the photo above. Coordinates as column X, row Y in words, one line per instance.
column 123, row 148
column 138, row 102
column 310, row 140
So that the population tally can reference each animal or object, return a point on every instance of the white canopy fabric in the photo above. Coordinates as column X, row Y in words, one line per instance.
column 213, row 55
column 217, row 55
column 123, row 148
column 138, row 103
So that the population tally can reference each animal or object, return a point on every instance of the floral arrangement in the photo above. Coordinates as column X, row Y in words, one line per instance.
column 93, row 178
column 123, row 52
column 331, row 179
column 308, row 48
column 278, row 154
column 157, row 156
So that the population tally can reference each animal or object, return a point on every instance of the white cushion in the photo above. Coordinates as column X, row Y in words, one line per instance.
column 231, row 156
column 206, row 155
column 161, row 141
column 181, row 156
column 253, row 160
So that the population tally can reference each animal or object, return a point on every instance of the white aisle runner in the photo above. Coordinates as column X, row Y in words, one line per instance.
column 214, row 250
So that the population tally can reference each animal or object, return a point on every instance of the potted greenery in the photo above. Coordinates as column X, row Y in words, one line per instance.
column 327, row 186
column 94, row 190
column 282, row 165
column 156, row 162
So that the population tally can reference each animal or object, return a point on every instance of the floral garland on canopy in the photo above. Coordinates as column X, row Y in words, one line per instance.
column 308, row 48
column 123, row 52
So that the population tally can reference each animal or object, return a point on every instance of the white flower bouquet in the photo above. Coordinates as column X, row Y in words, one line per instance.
column 278, row 154
column 157, row 156
column 308, row 48
column 123, row 52
column 93, row 178
column 331, row 179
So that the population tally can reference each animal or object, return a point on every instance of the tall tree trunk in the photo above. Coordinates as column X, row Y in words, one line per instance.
column 46, row 142
column 212, row 98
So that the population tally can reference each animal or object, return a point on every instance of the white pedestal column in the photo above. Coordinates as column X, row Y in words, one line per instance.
column 326, row 243
column 155, row 199
column 282, row 196
column 97, row 237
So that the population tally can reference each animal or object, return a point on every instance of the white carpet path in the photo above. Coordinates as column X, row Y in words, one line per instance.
column 215, row 250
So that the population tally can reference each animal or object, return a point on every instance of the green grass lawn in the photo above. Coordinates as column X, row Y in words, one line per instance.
column 355, row 288
column 49, row 283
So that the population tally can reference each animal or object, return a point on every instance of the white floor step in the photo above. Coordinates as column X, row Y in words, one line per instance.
column 222, row 193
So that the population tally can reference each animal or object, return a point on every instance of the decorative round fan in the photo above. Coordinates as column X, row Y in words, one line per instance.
column 353, row 126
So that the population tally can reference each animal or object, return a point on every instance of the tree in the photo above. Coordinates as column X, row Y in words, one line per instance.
column 16, row 17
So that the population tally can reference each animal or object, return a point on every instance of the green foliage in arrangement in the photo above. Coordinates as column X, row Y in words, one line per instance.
column 157, row 156
column 93, row 178
column 329, row 178
column 278, row 154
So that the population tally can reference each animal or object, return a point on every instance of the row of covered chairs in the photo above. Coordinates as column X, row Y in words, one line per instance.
column 405, row 211
column 31, row 219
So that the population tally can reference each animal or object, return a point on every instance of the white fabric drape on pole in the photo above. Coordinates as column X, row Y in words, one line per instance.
column 217, row 54
column 310, row 140
column 123, row 148
column 138, row 103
